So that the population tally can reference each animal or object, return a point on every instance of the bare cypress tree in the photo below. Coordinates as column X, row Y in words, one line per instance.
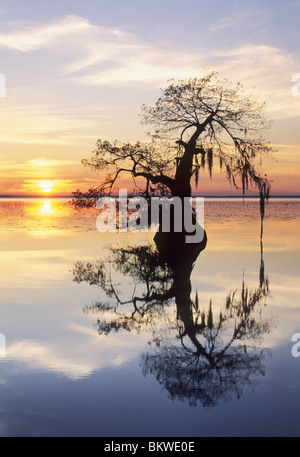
column 195, row 124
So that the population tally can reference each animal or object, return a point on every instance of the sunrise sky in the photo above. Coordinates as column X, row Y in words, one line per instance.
column 77, row 71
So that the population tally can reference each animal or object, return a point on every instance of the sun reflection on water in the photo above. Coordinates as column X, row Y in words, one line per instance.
column 46, row 209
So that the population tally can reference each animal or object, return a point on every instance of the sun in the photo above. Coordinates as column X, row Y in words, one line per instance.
column 46, row 186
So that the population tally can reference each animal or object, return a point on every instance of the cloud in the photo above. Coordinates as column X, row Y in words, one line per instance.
column 50, row 125
column 134, row 72
column 40, row 36
column 95, row 56
column 101, row 55
column 265, row 68
column 44, row 162
column 71, row 360
column 35, row 165
column 112, row 57
column 40, row 356
column 121, row 59
column 235, row 19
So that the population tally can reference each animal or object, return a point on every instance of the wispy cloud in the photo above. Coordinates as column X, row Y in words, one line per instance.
column 40, row 356
column 101, row 55
column 47, row 124
column 93, row 56
column 35, row 164
column 29, row 38
column 265, row 68
column 236, row 18
column 72, row 361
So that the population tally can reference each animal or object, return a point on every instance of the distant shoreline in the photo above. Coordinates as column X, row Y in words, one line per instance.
column 208, row 197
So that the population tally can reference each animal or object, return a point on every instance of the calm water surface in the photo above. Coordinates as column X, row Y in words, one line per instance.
column 102, row 339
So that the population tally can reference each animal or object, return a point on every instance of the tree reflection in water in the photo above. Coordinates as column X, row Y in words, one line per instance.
column 196, row 354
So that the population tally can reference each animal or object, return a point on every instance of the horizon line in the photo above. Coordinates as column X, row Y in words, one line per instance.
column 71, row 197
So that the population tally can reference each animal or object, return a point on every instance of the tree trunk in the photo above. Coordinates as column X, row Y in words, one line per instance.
column 182, row 187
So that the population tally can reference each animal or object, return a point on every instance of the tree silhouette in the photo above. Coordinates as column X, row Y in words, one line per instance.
column 198, row 355
column 195, row 123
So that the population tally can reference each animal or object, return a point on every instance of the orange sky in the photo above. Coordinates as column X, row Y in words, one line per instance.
column 44, row 176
